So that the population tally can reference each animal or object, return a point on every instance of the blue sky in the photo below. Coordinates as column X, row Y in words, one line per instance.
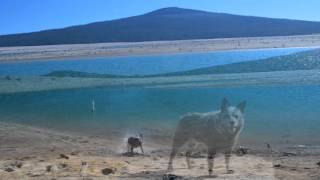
column 33, row 15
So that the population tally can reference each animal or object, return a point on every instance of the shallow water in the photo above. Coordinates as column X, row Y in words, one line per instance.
column 287, row 113
column 142, row 65
column 280, row 113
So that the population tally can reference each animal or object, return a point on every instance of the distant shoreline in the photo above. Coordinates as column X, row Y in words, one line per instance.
column 58, row 52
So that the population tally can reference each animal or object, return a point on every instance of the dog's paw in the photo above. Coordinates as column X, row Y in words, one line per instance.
column 211, row 176
column 170, row 168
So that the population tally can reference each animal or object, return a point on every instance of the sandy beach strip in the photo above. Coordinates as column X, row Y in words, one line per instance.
column 25, row 53
column 38, row 153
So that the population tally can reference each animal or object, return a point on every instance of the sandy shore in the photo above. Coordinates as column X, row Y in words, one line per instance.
column 149, row 48
column 37, row 153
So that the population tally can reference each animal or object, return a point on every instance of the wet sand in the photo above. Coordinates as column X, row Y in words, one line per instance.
column 56, row 52
column 39, row 153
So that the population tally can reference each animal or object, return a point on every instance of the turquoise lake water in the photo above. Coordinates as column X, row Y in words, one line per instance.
column 278, row 111
column 288, row 112
column 142, row 65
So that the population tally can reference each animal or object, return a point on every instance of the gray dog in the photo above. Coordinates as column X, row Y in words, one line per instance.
column 218, row 130
column 135, row 142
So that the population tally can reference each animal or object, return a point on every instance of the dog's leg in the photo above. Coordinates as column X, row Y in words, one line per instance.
column 178, row 140
column 210, row 159
column 227, row 156
column 131, row 150
column 177, row 143
column 190, row 147
column 172, row 156
column 188, row 154
column 141, row 149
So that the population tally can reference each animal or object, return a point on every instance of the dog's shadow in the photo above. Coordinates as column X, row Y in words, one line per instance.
column 132, row 154
column 165, row 175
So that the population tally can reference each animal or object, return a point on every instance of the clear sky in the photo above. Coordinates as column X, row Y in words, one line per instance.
column 33, row 15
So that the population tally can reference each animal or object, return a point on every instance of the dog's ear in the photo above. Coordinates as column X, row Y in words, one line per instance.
column 241, row 106
column 224, row 105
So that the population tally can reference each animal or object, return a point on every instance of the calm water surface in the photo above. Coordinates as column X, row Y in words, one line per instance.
column 277, row 112
column 143, row 65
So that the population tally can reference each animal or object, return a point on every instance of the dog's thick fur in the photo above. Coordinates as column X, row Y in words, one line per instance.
column 135, row 142
column 218, row 130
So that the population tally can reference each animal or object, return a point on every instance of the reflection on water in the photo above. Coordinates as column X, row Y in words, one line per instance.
column 273, row 112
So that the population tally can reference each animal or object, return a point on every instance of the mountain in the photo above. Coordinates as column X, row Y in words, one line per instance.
column 298, row 61
column 165, row 24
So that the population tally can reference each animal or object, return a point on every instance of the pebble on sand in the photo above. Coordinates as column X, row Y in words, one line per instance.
column 64, row 156
column 107, row 171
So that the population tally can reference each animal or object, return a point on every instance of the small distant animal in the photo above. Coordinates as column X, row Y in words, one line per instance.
column 135, row 142
column 217, row 130
column 83, row 169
